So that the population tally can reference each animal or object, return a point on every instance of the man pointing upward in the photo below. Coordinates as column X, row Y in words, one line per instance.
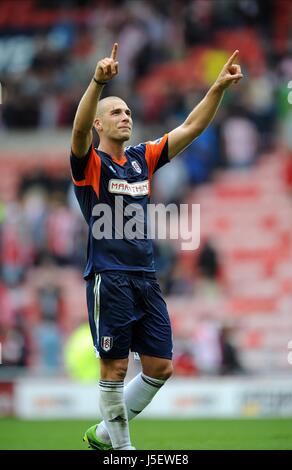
column 125, row 306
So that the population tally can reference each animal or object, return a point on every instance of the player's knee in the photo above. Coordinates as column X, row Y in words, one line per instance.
column 167, row 372
column 162, row 371
column 114, row 369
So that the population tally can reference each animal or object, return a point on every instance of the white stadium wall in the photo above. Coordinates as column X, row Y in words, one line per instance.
column 180, row 398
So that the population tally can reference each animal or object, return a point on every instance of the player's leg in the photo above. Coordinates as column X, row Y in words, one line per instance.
column 152, row 338
column 114, row 431
column 140, row 391
column 112, row 402
column 110, row 317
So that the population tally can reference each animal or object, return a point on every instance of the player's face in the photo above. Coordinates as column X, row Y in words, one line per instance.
column 116, row 121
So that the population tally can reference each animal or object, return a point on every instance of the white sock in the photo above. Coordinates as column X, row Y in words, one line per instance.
column 138, row 394
column 114, row 413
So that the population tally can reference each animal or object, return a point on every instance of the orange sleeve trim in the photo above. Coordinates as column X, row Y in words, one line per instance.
column 153, row 154
column 92, row 173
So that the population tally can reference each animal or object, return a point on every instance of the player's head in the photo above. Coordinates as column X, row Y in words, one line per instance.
column 113, row 119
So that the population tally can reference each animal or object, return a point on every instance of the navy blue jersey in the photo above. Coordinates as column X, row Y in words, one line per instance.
column 99, row 179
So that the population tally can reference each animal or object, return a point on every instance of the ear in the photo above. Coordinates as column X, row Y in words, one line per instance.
column 97, row 125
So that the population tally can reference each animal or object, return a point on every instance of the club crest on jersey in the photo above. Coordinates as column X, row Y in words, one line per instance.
column 136, row 167
column 106, row 343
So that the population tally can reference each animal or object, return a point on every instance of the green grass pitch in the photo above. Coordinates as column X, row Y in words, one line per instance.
column 273, row 434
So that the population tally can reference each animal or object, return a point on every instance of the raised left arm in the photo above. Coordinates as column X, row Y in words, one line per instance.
column 203, row 113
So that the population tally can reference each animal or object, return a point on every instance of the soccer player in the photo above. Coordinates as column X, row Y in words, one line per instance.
column 125, row 306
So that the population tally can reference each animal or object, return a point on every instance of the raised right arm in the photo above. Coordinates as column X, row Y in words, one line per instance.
column 105, row 70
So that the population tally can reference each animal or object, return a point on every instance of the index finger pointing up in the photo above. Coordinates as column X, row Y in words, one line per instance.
column 114, row 51
column 233, row 57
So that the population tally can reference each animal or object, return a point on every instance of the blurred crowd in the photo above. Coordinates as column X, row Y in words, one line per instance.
column 169, row 54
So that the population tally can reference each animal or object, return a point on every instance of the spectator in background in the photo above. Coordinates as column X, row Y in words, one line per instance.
column 202, row 157
column 230, row 360
column 164, row 258
column 259, row 100
column 50, row 301
column 47, row 335
column 14, row 342
column 240, row 140
column 184, row 363
column 206, row 346
column 61, row 228
column 287, row 173
column 198, row 22
column 208, row 282
column 35, row 207
column 177, row 176
column 208, row 264
column 179, row 282
column 20, row 111
column 16, row 245
column 48, row 344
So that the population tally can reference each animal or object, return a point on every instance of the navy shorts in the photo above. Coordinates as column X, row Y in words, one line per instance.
column 127, row 312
